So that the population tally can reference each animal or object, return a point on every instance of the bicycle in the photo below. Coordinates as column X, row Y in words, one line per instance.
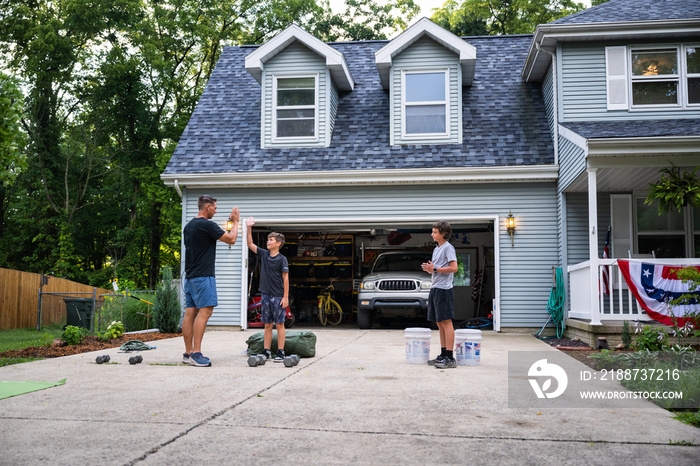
column 329, row 311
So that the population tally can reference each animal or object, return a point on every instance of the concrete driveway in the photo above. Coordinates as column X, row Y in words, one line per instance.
column 357, row 401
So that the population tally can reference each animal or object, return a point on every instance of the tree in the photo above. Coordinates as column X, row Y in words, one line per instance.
column 460, row 21
column 365, row 20
column 12, row 139
column 166, row 307
column 503, row 16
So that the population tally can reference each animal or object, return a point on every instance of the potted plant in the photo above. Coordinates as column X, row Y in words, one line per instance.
column 676, row 189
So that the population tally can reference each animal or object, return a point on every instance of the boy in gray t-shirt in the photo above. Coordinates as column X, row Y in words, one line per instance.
column 441, row 301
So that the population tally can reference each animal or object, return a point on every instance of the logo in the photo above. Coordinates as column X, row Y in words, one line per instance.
column 542, row 369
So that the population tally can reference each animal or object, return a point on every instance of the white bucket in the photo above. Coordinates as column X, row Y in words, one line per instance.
column 417, row 345
column 468, row 347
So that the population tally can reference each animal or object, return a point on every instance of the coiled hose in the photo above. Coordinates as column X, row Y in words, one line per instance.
column 556, row 302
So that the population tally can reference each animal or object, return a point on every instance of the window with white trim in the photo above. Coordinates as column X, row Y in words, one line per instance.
column 295, row 108
column 664, row 76
column 425, row 103
column 692, row 63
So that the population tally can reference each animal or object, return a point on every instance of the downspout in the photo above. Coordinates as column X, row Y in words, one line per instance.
column 177, row 188
column 555, row 106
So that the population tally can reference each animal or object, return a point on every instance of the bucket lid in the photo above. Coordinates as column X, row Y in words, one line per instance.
column 468, row 331
column 417, row 330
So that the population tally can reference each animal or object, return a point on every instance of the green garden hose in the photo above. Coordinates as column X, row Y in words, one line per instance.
column 556, row 304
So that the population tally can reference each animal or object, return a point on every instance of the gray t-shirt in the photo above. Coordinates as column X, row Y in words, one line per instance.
column 442, row 256
column 271, row 270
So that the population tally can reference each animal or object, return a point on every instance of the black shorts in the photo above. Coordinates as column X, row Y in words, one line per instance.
column 441, row 305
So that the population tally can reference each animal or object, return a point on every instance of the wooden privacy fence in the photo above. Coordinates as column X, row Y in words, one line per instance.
column 19, row 298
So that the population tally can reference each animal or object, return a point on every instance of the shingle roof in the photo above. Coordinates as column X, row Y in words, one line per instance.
column 504, row 120
column 634, row 10
column 635, row 128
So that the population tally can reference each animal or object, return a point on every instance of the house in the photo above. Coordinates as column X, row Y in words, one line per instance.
column 362, row 142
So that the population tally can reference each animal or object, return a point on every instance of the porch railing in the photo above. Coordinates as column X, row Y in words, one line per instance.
column 620, row 304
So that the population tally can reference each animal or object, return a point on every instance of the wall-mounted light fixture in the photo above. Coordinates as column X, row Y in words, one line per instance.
column 229, row 227
column 510, row 226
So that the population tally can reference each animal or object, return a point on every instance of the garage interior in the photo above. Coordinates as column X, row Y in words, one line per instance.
column 342, row 255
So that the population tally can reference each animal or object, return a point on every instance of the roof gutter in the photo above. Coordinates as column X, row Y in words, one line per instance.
column 451, row 175
column 546, row 36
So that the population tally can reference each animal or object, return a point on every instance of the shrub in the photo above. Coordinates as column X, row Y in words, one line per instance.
column 166, row 308
column 73, row 335
column 650, row 338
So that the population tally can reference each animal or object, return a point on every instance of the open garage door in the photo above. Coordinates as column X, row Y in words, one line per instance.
column 476, row 289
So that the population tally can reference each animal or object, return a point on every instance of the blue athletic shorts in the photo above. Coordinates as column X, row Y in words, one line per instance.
column 200, row 292
column 441, row 304
column 272, row 311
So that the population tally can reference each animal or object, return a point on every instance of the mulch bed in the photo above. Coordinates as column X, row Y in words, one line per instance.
column 88, row 344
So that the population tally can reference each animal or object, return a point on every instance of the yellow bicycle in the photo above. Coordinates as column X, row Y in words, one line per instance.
column 329, row 311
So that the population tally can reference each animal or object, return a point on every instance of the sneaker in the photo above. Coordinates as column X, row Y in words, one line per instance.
column 199, row 360
column 447, row 363
column 186, row 359
column 437, row 360
column 279, row 357
column 267, row 353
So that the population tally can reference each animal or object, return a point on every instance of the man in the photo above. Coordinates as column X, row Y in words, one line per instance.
column 200, row 236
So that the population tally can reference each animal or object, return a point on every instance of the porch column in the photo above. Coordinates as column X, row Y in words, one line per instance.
column 593, row 244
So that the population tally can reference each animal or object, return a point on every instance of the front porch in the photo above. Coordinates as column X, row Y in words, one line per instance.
column 593, row 314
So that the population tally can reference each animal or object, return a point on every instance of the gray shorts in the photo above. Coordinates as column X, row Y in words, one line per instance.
column 441, row 304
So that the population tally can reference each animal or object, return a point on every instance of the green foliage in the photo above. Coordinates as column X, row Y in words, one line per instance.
column 138, row 315
column 626, row 335
column 166, row 308
column 650, row 338
column 73, row 335
column 675, row 190
column 608, row 359
column 692, row 418
column 364, row 20
column 114, row 330
column 13, row 159
column 482, row 17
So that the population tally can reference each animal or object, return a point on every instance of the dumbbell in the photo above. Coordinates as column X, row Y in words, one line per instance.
column 257, row 360
column 102, row 359
column 291, row 360
column 135, row 359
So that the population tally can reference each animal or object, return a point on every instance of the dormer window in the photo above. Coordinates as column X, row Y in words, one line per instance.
column 295, row 107
column 425, row 103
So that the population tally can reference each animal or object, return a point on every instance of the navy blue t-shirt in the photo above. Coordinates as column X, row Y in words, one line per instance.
column 271, row 269
column 200, row 237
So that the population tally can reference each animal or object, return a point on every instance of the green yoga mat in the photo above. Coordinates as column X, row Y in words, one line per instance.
column 8, row 389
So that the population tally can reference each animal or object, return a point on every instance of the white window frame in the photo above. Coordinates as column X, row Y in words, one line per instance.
column 681, row 78
column 404, row 104
column 631, row 79
column 315, row 107
column 687, row 75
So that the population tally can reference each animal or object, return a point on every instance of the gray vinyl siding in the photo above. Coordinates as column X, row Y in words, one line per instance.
column 548, row 96
column 572, row 162
column 229, row 267
column 296, row 59
column 525, row 267
column 583, row 88
column 428, row 55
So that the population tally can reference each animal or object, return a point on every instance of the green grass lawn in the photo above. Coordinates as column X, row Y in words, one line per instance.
column 25, row 337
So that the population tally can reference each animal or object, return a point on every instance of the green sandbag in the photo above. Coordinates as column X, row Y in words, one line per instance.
column 302, row 343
